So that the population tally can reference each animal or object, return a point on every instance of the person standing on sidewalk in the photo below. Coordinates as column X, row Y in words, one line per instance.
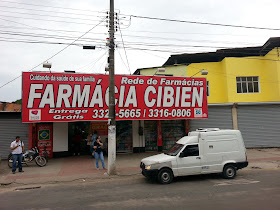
column 98, row 153
column 93, row 139
column 17, row 148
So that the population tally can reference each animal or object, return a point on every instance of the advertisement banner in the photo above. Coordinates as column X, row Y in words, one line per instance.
column 60, row 97
column 45, row 138
column 101, row 127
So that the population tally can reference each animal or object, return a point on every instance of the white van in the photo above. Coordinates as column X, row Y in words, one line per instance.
column 203, row 151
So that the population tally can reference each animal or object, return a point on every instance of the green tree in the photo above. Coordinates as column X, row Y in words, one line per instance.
column 19, row 101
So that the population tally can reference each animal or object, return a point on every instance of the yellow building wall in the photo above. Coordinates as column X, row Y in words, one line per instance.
column 218, row 92
column 222, row 77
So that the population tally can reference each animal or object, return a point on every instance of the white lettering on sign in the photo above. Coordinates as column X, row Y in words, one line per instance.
column 168, row 97
column 171, row 98
column 149, row 103
column 135, row 81
column 64, row 93
column 185, row 96
column 48, row 97
column 33, row 94
column 126, row 96
column 97, row 97
column 80, row 98
column 131, row 97
column 197, row 97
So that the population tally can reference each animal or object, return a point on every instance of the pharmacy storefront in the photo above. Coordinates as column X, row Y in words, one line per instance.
column 64, row 110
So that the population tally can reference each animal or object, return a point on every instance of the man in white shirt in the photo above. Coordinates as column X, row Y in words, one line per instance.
column 17, row 148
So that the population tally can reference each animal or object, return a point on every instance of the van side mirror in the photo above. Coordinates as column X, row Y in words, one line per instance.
column 181, row 155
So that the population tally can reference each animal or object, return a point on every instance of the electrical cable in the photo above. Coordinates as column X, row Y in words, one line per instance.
column 203, row 23
column 44, row 29
column 50, row 36
column 123, row 60
column 156, row 18
column 185, row 40
column 125, row 50
column 51, row 11
column 28, row 41
column 40, row 5
column 44, row 42
column 95, row 61
column 59, row 21
column 56, row 53
column 33, row 27
column 177, row 33
column 165, row 38
column 47, row 15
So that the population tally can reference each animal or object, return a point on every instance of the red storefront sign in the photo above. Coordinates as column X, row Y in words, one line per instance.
column 59, row 97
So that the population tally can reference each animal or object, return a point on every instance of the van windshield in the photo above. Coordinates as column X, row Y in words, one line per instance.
column 174, row 150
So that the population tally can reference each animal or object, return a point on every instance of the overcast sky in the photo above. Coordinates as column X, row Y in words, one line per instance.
column 30, row 33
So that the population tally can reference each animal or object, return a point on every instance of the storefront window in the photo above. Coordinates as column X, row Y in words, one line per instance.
column 124, row 136
column 172, row 131
column 150, row 129
column 77, row 135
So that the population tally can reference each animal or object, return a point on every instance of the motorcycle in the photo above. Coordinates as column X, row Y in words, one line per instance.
column 29, row 156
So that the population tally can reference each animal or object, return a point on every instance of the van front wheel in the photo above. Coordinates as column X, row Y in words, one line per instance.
column 229, row 172
column 165, row 176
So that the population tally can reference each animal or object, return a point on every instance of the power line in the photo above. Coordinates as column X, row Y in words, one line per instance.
column 56, row 53
column 33, row 27
column 162, row 38
column 183, row 52
column 154, row 18
column 59, row 21
column 203, row 23
column 123, row 60
column 45, row 42
column 165, row 38
column 181, row 33
column 48, row 36
column 92, row 63
column 125, row 51
column 42, row 29
column 40, row 5
column 46, row 15
column 90, row 66
column 28, row 41
column 130, row 44
column 50, row 11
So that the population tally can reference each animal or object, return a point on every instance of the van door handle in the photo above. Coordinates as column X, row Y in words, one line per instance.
column 198, row 158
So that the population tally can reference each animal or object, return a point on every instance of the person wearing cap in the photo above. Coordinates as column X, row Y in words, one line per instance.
column 17, row 148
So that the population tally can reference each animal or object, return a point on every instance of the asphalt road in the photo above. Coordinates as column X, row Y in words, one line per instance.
column 252, row 189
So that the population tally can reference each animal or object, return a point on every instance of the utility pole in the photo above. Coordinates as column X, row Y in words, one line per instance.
column 112, row 120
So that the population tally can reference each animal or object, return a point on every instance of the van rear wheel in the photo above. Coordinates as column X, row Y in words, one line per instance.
column 165, row 176
column 229, row 172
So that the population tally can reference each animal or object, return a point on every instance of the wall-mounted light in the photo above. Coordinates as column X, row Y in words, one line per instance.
column 162, row 70
column 203, row 72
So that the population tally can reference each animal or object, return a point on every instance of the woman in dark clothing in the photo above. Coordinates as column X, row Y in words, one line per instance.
column 98, row 153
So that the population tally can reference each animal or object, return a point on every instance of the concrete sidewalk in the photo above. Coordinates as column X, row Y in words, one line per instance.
column 75, row 168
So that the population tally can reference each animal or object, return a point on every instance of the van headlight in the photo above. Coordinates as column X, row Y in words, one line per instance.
column 148, row 167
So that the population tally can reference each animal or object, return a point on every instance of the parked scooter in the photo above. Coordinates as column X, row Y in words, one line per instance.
column 29, row 156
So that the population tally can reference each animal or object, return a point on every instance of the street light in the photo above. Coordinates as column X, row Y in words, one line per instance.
column 203, row 72
column 162, row 70
column 47, row 65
